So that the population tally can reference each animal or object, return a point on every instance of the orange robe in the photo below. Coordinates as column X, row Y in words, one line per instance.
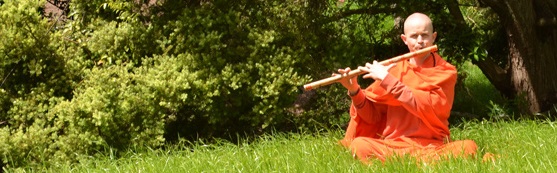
column 406, row 114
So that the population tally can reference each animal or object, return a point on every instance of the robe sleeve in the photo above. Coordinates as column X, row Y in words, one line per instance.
column 364, row 108
column 400, row 92
column 432, row 103
column 378, row 94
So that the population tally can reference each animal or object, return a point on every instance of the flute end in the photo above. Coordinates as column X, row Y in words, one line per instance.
column 434, row 48
column 308, row 87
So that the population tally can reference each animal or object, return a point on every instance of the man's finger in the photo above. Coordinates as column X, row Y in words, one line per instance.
column 347, row 70
column 366, row 69
column 367, row 76
column 368, row 65
column 390, row 66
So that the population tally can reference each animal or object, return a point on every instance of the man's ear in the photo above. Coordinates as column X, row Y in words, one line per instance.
column 434, row 36
column 403, row 37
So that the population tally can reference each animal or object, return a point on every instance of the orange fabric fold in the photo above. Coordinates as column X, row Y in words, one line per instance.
column 406, row 113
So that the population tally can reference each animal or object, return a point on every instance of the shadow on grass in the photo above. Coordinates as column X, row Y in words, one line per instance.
column 476, row 97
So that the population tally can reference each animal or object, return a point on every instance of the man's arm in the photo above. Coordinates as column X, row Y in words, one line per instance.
column 365, row 108
column 417, row 100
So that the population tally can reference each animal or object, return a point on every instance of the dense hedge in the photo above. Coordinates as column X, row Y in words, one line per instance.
column 113, row 78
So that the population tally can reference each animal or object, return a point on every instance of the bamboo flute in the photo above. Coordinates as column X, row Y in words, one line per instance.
column 357, row 72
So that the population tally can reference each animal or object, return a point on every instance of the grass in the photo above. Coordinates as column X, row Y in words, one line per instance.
column 477, row 95
column 520, row 146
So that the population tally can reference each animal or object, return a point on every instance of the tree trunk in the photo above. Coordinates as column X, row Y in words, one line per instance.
column 497, row 75
column 532, row 51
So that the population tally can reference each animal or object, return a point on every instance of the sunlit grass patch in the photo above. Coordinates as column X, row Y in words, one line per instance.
column 518, row 146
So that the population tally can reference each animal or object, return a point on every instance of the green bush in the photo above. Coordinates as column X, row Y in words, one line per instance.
column 35, row 78
column 248, row 76
column 28, row 54
column 117, row 83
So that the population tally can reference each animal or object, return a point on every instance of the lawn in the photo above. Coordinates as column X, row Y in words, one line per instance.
column 521, row 146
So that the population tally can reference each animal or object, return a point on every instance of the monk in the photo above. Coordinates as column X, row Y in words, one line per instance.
column 405, row 111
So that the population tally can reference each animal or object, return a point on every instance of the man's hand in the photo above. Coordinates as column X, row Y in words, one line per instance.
column 376, row 70
column 349, row 83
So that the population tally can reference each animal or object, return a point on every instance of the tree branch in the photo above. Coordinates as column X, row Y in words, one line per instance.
column 496, row 5
column 454, row 10
column 498, row 76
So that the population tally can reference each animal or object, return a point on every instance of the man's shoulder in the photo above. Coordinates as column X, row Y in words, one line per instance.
column 445, row 65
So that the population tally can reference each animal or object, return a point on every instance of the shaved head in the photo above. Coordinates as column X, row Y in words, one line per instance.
column 418, row 19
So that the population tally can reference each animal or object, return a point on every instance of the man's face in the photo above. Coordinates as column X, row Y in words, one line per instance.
column 418, row 34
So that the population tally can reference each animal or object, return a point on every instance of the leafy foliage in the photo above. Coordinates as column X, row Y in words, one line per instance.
column 34, row 80
column 116, row 80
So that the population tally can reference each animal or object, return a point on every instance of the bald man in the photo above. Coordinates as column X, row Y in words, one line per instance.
column 405, row 111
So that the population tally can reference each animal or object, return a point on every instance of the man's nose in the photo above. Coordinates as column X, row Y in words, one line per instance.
column 420, row 39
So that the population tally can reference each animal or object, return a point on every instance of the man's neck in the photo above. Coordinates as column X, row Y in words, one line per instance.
column 419, row 61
